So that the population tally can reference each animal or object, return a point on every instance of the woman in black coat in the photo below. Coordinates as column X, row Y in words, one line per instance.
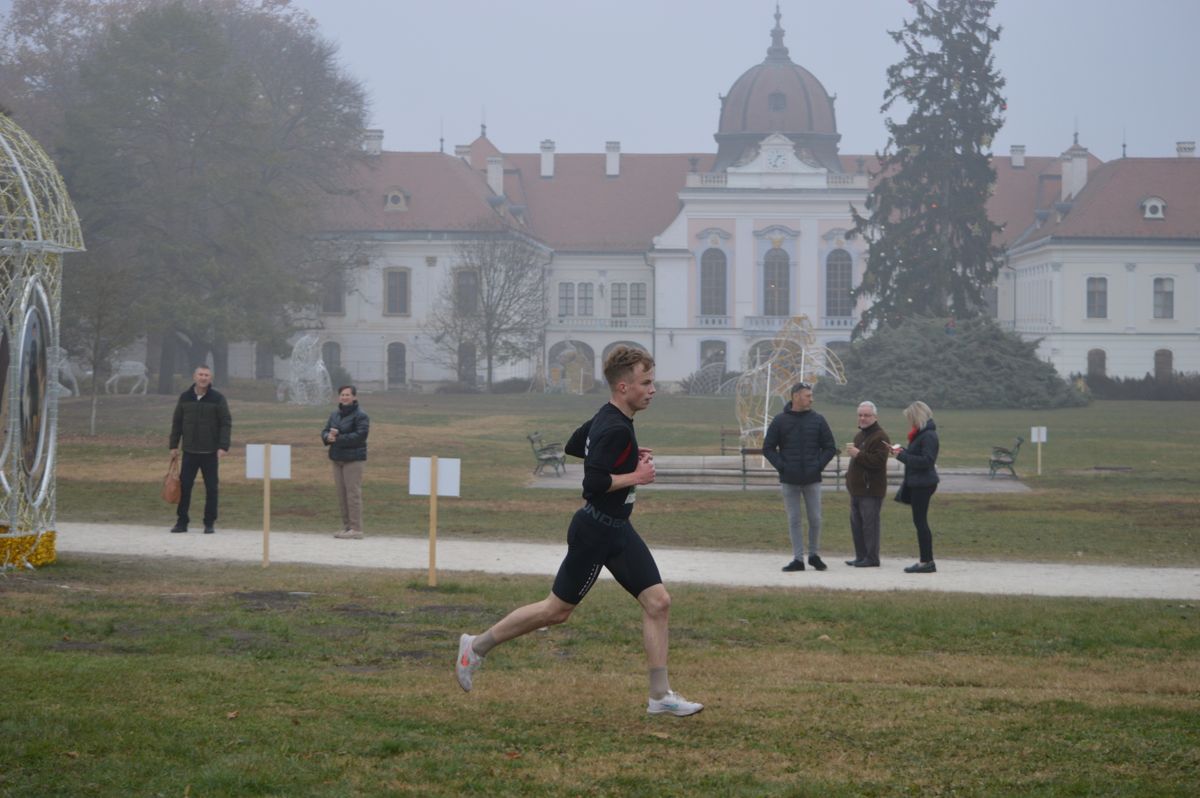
column 920, row 479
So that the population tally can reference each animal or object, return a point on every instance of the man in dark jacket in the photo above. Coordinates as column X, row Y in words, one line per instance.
column 866, row 482
column 345, row 434
column 800, row 444
column 203, row 424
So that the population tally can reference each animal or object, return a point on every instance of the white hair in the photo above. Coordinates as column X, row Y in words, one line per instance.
column 871, row 405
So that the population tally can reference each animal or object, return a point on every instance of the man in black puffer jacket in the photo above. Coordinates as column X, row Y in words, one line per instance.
column 800, row 444
column 345, row 434
column 203, row 426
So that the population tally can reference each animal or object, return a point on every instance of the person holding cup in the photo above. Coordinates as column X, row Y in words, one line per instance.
column 920, row 479
column 866, row 482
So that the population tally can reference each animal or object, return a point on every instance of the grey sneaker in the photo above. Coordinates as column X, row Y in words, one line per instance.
column 349, row 534
column 673, row 704
column 467, row 663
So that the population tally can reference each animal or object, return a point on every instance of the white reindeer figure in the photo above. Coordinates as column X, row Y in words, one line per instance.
column 128, row 368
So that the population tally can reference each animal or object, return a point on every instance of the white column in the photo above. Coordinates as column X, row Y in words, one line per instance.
column 745, row 272
column 1056, row 290
column 1131, row 297
column 809, row 272
column 1196, row 304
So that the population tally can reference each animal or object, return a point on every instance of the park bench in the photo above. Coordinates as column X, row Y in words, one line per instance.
column 545, row 454
column 1004, row 458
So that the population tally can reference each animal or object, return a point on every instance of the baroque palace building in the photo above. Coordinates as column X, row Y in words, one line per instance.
column 702, row 257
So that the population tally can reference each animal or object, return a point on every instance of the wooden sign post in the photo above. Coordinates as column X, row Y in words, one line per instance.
column 429, row 476
column 260, row 464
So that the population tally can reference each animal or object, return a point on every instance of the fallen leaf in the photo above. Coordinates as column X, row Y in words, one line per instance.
column 231, row 715
column 73, row 754
column 513, row 754
column 660, row 735
column 825, row 637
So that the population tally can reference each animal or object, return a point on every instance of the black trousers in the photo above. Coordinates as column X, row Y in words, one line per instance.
column 920, row 512
column 206, row 464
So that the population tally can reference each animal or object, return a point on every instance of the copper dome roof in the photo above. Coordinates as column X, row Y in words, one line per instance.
column 777, row 96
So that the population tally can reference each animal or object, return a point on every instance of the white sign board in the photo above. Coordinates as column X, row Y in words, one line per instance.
column 1037, row 435
column 419, row 473
column 281, row 461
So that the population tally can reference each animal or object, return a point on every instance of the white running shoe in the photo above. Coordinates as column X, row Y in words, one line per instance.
column 673, row 704
column 467, row 663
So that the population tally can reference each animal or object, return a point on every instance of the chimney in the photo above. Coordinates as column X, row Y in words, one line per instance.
column 1074, row 170
column 1185, row 149
column 462, row 151
column 548, row 158
column 612, row 158
column 495, row 174
column 373, row 141
column 1017, row 155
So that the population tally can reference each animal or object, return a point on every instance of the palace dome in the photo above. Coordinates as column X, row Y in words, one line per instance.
column 777, row 96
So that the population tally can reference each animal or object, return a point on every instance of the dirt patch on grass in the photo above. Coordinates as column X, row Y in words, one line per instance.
column 271, row 599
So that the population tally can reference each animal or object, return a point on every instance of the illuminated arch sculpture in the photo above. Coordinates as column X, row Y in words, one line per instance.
column 772, row 369
column 38, row 225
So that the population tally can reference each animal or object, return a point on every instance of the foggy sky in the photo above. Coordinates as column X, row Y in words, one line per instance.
column 648, row 73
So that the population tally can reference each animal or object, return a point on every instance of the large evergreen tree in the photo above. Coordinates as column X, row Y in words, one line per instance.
column 929, row 238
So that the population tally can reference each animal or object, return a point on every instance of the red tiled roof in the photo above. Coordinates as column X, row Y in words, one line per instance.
column 443, row 192
column 1109, row 206
column 580, row 209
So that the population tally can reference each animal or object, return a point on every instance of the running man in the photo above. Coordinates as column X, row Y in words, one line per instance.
column 601, row 535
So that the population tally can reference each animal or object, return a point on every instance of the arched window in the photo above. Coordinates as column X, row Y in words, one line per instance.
column 1096, row 366
column 1164, row 365
column 712, row 352
column 760, row 353
column 776, row 283
column 838, row 299
column 397, row 364
column 331, row 354
column 712, row 283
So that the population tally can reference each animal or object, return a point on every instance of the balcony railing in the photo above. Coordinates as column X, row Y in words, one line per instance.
column 837, row 322
column 598, row 323
column 706, row 180
column 712, row 321
column 760, row 324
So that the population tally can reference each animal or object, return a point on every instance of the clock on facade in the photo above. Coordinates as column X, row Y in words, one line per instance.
column 776, row 159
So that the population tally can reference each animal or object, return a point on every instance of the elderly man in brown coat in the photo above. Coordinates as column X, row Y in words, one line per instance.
column 866, row 481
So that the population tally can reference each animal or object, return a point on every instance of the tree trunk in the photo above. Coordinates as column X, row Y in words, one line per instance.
column 166, row 364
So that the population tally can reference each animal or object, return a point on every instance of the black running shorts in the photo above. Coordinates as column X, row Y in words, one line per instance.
column 592, row 546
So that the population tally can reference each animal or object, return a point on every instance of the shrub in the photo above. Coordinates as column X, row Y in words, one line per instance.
column 1177, row 387
column 339, row 376
column 511, row 385
column 973, row 364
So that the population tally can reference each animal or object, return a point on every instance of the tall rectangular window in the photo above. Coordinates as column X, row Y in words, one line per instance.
column 1097, row 297
column 566, row 299
column 466, row 291
column 395, row 290
column 584, row 306
column 839, row 301
column 712, row 282
column 637, row 299
column 620, row 299
column 333, row 294
column 1164, row 297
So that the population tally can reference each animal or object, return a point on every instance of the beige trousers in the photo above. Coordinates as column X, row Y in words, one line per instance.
column 347, row 477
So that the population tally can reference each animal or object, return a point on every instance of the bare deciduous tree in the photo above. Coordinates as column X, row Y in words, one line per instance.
column 492, row 305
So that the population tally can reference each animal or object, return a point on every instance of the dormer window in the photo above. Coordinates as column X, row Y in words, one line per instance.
column 776, row 101
column 395, row 200
column 1154, row 208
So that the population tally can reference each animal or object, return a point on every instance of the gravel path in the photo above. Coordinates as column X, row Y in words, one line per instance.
column 735, row 569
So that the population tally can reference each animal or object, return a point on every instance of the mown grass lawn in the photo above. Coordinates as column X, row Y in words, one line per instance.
column 178, row 678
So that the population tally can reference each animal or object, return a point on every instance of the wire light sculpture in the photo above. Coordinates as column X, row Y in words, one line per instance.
column 793, row 356
column 38, row 225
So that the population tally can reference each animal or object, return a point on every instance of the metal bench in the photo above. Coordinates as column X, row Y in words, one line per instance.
column 545, row 454
column 1004, row 458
